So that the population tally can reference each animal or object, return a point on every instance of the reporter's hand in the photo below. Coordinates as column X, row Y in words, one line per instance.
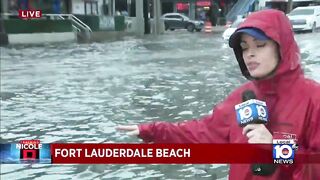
column 132, row 130
column 257, row 133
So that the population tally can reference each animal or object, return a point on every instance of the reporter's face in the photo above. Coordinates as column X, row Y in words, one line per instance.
column 260, row 57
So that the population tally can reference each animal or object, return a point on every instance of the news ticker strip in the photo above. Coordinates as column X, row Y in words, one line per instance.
column 144, row 154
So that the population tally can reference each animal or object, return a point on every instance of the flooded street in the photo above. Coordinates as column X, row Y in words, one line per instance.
column 78, row 93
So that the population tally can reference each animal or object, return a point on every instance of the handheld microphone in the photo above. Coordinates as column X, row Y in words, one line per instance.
column 253, row 111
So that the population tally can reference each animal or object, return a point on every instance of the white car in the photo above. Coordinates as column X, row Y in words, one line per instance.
column 228, row 32
column 305, row 18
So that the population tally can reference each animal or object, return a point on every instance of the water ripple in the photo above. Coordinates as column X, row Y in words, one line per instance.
column 80, row 92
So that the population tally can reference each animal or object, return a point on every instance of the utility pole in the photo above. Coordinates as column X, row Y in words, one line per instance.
column 146, row 12
column 139, row 17
column 289, row 6
column 4, row 6
column 129, row 7
column 111, row 7
column 156, row 16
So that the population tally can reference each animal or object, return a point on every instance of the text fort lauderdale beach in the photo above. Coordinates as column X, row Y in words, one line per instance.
column 123, row 152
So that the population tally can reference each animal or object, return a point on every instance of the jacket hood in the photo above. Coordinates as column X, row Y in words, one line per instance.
column 276, row 26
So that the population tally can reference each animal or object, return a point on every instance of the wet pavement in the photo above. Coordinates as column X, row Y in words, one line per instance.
column 80, row 92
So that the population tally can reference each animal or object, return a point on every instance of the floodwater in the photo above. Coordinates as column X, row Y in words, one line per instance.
column 79, row 92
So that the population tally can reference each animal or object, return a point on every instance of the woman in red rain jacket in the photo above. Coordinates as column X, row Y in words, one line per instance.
column 269, row 57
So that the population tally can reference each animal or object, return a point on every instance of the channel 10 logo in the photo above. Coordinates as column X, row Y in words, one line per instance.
column 283, row 153
column 251, row 111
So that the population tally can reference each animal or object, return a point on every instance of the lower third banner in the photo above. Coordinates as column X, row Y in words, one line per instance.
column 33, row 151
column 168, row 154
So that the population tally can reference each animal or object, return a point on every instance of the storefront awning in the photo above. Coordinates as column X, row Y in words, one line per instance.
column 240, row 8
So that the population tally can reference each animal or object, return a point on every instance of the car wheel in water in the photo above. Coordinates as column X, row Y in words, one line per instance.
column 172, row 29
column 166, row 27
column 314, row 27
column 190, row 27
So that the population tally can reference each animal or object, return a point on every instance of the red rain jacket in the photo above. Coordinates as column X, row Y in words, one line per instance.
column 293, row 102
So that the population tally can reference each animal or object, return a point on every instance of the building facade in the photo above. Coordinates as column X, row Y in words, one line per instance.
column 198, row 9
column 285, row 6
column 49, row 6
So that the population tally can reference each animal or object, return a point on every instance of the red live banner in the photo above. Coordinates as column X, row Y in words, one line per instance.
column 168, row 154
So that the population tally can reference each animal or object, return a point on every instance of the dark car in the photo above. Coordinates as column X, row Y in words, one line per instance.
column 174, row 21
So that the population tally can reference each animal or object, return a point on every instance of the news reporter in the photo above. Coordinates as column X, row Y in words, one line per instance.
column 268, row 56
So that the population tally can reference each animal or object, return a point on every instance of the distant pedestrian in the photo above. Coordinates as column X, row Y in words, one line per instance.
column 56, row 6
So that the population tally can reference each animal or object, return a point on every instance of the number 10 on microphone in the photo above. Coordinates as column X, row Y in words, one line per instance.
column 252, row 111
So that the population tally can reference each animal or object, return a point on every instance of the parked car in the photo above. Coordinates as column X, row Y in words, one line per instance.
column 174, row 21
column 228, row 32
column 305, row 18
